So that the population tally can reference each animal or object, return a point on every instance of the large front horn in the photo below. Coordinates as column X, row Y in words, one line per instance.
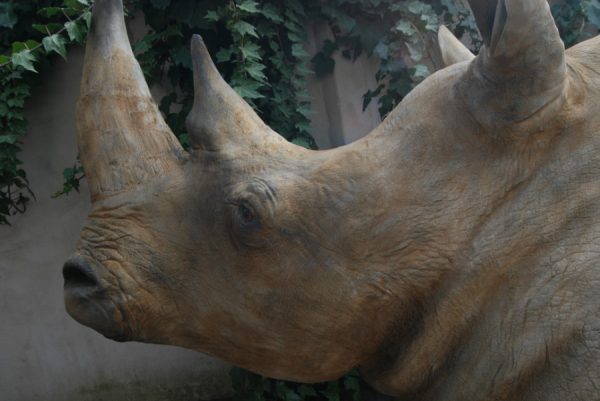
column 220, row 118
column 123, row 139
column 520, row 72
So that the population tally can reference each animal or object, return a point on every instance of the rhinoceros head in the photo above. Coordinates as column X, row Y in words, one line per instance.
column 294, row 263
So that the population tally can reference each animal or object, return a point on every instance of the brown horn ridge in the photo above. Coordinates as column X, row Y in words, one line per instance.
column 123, row 139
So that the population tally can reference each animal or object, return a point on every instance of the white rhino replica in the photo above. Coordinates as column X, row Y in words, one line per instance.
column 451, row 254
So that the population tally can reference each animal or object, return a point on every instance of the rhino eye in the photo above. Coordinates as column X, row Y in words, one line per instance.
column 247, row 214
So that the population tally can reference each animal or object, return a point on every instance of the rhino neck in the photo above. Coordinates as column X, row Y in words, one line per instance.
column 519, row 233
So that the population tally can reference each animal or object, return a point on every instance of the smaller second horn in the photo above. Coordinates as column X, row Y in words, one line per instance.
column 220, row 118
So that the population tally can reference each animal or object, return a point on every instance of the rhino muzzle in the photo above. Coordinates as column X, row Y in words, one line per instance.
column 90, row 302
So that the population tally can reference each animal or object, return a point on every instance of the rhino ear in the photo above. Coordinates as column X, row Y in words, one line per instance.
column 521, row 68
column 451, row 49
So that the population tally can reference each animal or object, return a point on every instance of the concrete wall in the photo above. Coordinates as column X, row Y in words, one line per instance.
column 337, row 101
column 44, row 354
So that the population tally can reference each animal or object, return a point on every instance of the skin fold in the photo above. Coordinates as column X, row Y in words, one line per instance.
column 451, row 254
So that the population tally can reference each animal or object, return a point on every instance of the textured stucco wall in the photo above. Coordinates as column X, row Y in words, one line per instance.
column 47, row 356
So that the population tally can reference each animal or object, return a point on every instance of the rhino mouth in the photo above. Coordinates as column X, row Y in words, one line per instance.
column 90, row 302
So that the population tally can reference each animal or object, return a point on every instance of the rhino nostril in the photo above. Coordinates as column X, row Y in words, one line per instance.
column 78, row 274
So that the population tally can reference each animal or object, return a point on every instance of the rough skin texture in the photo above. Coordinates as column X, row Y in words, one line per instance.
column 451, row 254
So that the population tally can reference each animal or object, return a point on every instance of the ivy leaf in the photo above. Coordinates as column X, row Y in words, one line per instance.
column 49, row 12
column 421, row 71
column 303, row 389
column 142, row 45
column 24, row 59
column 248, row 90
column 419, row 8
column 352, row 384
column 51, row 27
column 31, row 43
column 271, row 12
column 55, row 43
column 8, row 139
column 255, row 70
column 249, row 6
column 449, row 4
column 244, row 28
column 405, row 28
column 294, row 6
column 19, row 46
column 367, row 97
column 224, row 55
column 414, row 51
column 87, row 16
column 68, row 173
column 75, row 32
column 298, row 51
column 212, row 15
column 591, row 9
column 160, row 4
column 15, row 101
column 295, row 37
column 250, row 51
column 8, row 17
column 332, row 392
column 181, row 56
column 382, row 50
column 291, row 395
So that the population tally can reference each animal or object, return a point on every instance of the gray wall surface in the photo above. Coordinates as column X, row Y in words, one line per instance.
column 44, row 354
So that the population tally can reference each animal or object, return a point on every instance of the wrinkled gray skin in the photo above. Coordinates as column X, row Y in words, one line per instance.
column 451, row 254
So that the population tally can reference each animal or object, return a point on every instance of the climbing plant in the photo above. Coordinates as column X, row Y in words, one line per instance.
column 258, row 47
column 577, row 20
column 399, row 34
column 31, row 32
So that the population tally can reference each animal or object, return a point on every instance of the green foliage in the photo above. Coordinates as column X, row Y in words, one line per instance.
column 251, row 387
column 20, row 58
column 397, row 33
column 258, row 47
column 577, row 20
column 72, row 178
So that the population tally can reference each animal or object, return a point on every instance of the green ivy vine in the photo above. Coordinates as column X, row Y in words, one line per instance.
column 258, row 48
column 49, row 26
column 399, row 34
column 577, row 20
